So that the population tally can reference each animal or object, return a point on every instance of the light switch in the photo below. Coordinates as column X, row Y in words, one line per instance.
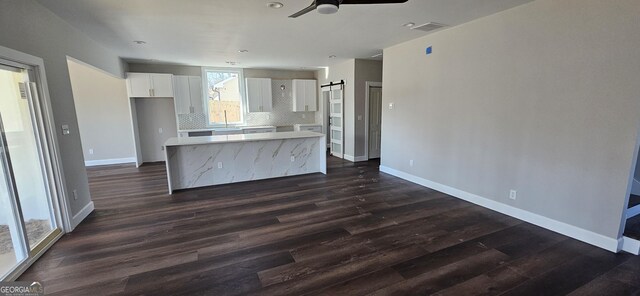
column 359, row 117
column 391, row 105
column 160, row 131
column 65, row 129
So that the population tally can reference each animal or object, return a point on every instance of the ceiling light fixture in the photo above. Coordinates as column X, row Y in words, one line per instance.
column 409, row 25
column 327, row 6
column 332, row 56
column 231, row 63
column 275, row 5
column 243, row 51
column 139, row 42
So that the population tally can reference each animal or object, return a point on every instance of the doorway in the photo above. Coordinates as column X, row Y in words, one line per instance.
column 373, row 125
column 29, row 221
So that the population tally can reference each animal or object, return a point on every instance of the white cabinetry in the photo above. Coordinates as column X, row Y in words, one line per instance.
column 259, row 130
column 150, row 85
column 308, row 127
column 188, row 94
column 259, row 94
column 304, row 95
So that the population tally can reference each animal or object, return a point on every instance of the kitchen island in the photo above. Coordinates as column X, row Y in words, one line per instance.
column 206, row 161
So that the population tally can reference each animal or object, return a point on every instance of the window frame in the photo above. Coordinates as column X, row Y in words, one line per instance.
column 242, row 89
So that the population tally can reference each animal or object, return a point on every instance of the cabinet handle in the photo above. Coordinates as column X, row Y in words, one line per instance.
column 153, row 92
column 306, row 107
column 150, row 93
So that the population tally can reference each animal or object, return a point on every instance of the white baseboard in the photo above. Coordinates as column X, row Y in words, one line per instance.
column 110, row 161
column 355, row 158
column 631, row 245
column 77, row 218
column 587, row 236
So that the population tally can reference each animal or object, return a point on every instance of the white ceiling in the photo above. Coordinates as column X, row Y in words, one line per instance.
column 210, row 32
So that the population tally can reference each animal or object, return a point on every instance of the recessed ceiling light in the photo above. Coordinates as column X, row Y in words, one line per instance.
column 409, row 25
column 243, row 51
column 275, row 5
column 332, row 56
column 231, row 63
column 139, row 42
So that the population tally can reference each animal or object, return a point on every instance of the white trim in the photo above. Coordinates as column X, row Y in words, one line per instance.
column 110, row 161
column 355, row 158
column 631, row 245
column 77, row 218
column 632, row 212
column 575, row 232
column 368, row 84
column 24, row 266
column 635, row 186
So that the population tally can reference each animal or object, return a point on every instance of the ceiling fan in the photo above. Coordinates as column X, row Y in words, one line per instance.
column 332, row 6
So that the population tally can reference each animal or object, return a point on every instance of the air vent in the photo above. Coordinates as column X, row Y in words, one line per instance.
column 428, row 27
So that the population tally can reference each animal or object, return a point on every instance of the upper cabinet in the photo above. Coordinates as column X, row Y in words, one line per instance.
column 188, row 94
column 259, row 95
column 150, row 85
column 304, row 95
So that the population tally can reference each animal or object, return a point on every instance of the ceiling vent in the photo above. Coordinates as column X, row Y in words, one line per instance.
column 428, row 27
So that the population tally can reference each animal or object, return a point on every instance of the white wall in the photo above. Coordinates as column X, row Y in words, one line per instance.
column 102, row 108
column 542, row 98
column 30, row 28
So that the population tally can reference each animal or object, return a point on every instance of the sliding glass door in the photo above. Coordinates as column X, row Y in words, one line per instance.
column 27, row 216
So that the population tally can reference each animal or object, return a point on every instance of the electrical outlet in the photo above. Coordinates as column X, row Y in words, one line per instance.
column 391, row 105
column 293, row 158
column 304, row 116
column 160, row 131
column 359, row 117
column 411, row 162
column 513, row 194
column 161, row 148
column 220, row 165
column 91, row 151
column 75, row 194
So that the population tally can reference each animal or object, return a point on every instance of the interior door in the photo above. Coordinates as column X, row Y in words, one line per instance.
column 375, row 121
column 25, row 186
column 336, row 123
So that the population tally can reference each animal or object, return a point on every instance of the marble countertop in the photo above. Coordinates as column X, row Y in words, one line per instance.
column 225, row 128
column 240, row 138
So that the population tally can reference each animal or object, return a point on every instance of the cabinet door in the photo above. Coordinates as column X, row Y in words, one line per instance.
column 310, row 95
column 254, row 94
column 162, row 85
column 139, row 85
column 195, row 89
column 181, row 98
column 267, row 97
column 298, row 95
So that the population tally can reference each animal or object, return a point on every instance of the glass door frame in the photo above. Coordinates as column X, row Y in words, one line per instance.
column 45, row 134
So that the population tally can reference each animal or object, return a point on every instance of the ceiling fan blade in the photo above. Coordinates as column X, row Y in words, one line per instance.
column 372, row 1
column 311, row 8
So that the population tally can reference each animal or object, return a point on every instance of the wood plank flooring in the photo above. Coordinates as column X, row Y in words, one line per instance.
column 355, row 231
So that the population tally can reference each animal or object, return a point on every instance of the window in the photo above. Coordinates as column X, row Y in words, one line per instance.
column 224, row 91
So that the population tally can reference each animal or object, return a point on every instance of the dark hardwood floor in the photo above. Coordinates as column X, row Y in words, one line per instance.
column 355, row 231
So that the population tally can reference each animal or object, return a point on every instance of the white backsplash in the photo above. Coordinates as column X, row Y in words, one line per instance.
column 281, row 114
